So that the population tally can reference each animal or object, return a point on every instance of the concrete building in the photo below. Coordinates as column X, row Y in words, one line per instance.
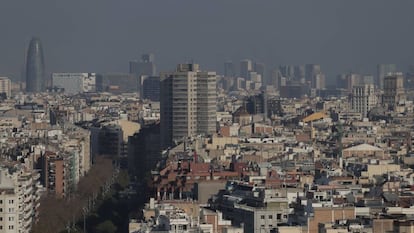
column 188, row 103
column 363, row 98
column 393, row 89
column 150, row 88
column 117, row 83
column 145, row 66
column 246, row 66
column 75, row 83
column 229, row 69
column 382, row 71
column 19, row 199
column 5, row 86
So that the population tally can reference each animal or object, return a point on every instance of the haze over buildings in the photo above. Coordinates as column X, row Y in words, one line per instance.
column 286, row 32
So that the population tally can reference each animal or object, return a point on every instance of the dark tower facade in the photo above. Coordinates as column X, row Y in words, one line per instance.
column 35, row 67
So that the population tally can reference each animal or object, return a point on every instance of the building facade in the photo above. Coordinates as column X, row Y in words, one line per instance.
column 393, row 89
column 19, row 199
column 363, row 98
column 75, row 83
column 5, row 86
column 188, row 103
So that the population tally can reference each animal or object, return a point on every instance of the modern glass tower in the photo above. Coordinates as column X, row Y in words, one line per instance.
column 35, row 67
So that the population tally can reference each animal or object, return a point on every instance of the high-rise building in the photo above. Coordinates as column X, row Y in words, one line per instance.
column 382, row 71
column 229, row 69
column 5, row 86
column 150, row 88
column 393, row 89
column 75, row 83
column 311, row 70
column 145, row 66
column 259, row 68
column 35, row 67
column 187, row 103
column 246, row 66
column 363, row 98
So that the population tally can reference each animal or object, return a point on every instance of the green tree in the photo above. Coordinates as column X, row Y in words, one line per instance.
column 105, row 227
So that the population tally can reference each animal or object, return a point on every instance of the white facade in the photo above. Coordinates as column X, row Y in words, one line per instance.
column 19, row 199
column 5, row 86
column 188, row 103
column 75, row 83
column 363, row 98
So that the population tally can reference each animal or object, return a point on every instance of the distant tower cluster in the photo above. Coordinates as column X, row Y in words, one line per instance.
column 35, row 67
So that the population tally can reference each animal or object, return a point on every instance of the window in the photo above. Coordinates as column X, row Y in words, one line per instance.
column 270, row 216
column 11, row 201
column 262, row 217
column 279, row 216
column 11, row 227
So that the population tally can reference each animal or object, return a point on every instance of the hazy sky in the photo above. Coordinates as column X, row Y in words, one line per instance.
column 103, row 35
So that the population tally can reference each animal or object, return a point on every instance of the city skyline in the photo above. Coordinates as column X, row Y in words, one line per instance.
column 280, row 33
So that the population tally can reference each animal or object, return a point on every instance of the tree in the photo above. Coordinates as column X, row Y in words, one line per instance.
column 105, row 227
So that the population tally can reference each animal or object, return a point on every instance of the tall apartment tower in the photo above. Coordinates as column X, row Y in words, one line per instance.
column 187, row 103
column 246, row 66
column 393, row 89
column 382, row 71
column 35, row 67
column 363, row 98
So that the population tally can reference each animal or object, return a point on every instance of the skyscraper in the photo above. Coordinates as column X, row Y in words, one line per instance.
column 229, row 69
column 393, row 89
column 246, row 66
column 382, row 71
column 35, row 67
column 187, row 103
column 145, row 66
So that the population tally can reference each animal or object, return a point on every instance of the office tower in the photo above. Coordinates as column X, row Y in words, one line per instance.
column 352, row 80
column 5, row 87
column 382, row 71
column 150, row 88
column 409, row 78
column 117, row 83
column 299, row 73
column 259, row 68
column 229, row 69
column 318, row 81
column 145, row 66
column 246, row 67
column 187, row 103
column 393, row 89
column 310, row 71
column 256, row 104
column 363, row 98
column 287, row 71
column 35, row 67
column 75, row 83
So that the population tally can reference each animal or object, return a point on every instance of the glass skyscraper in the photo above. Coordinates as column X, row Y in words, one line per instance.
column 35, row 67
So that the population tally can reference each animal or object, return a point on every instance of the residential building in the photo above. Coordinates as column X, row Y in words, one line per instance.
column 188, row 103
column 363, row 98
